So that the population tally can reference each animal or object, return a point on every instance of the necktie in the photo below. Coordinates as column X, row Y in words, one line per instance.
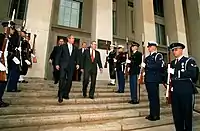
column 92, row 56
column 176, row 61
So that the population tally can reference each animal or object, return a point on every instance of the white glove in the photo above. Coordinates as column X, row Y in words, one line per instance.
column 19, row 49
column 2, row 67
column 28, row 62
column 171, row 71
column 106, row 55
column 143, row 64
column 115, row 60
column 16, row 60
column 1, row 53
column 128, row 61
column 32, row 55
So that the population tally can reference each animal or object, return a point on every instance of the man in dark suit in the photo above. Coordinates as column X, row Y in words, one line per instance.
column 66, row 60
column 135, row 61
column 91, row 58
column 52, row 58
column 81, row 51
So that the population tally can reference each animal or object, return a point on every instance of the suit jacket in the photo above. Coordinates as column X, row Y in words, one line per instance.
column 136, row 60
column 53, row 54
column 86, row 61
column 80, row 53
column 63, row 58
column 2, row 36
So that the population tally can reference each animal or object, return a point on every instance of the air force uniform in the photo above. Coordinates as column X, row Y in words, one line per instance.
column 152, row 78
column 184, row 72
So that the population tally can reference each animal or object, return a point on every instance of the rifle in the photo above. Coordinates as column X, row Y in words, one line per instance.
column 106, row 62
column 3, row 76
column 168, row 91
column 141, row 75
column 127, row 65
column 33, row 49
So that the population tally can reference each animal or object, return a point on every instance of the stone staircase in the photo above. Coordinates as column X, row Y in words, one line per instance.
column 36, row 109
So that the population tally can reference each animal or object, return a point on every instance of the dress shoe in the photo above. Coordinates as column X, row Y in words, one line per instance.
column 66, row 97
column 84, row 96
column 13, row 90
column 60, row 99
column 91, row 97
column 152, row 118
column 133, row 102
column 119, row 91
column 24, row 81
column 55, row 82
column 111, row 84
column 3, row 104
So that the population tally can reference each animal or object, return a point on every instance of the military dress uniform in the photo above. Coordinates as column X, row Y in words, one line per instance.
column 136, row 60
column 2, row 83
column 152, row 78
column 112, row 72
column 183, row 77
column 120, row 68
column 13, row 62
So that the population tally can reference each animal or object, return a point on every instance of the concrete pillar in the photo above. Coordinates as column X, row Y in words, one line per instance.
column 145, row 21
column 38, row 21
column 193, row 14
column 102, row 28
column 174, row 22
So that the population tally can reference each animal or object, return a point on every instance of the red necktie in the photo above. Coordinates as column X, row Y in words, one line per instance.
column 92, row 56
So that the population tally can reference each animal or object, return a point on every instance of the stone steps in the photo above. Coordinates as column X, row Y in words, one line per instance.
column 36, row 109
column 26, row 120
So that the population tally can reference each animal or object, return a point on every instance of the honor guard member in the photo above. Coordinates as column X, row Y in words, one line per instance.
column 153, row 66
column 111, row 55
column 13, row 60
column 135, row 62
column 120, row 68
column 184, row 74
column 25, row 58
column 2, row 83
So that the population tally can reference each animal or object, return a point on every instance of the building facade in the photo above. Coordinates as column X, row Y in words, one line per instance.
column 106, row 21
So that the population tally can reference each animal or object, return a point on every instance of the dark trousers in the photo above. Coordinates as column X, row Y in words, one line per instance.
column 154, row 100
column 65, row 82
column 133, row 87
column 93, row 76
column 56, row 74
column 121, row 80
column 182, row 108
column 13, row 76
column 112, row 71
column 2, row 89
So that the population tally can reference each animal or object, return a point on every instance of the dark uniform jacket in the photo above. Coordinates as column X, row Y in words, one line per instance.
column 25, row 54
column 12, row 47
column 153, row 68
column 136, row 60
column 111, row 57
column 121, row 61
column 184, row 75
column 2, row 36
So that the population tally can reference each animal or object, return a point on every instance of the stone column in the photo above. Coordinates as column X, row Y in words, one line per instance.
column 145, row 21
column 38, row 21
column 174, row 22
column 102, row 28
column 193, row 14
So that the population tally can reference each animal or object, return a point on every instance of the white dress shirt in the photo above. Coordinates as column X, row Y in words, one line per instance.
column 93, row 52
column 70, row 47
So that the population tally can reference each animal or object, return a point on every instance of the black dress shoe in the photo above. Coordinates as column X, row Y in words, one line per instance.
column 84, row 96
column 91, row 97
column 13, row 90
column 3, row 104
column 119, row 91
column 133, row 102
column 153, row 118
column 55, row 82
column 110, row 84
column 66, row 97
column 60, row 99
column 24, row 81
